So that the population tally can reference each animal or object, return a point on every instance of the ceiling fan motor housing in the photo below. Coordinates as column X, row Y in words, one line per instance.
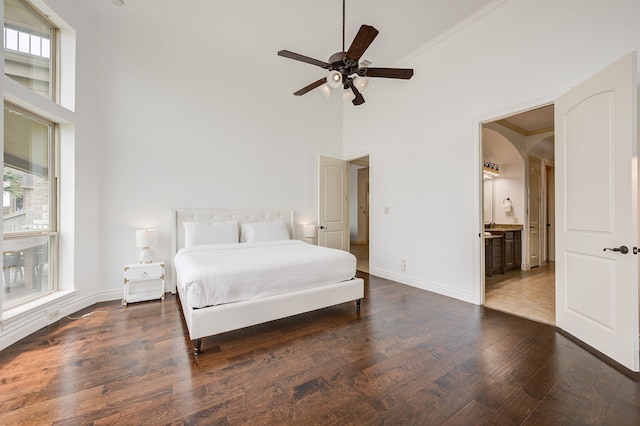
column 345, row 66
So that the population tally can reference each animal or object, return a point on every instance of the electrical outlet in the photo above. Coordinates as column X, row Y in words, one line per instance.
column 53, row 315
column 403, row 265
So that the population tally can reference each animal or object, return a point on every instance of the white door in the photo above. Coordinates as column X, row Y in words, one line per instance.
column 535, row 180
column 596, row 188
column 333, row 214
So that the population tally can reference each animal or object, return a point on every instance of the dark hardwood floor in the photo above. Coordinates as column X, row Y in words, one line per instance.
column 409, row 357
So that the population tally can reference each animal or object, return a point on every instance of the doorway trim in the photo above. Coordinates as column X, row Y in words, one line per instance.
column 478, row 123
column 352, row 160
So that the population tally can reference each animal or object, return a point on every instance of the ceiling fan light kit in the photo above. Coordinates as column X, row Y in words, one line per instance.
column 344, row 68
column 361, row 82
column 334, row 79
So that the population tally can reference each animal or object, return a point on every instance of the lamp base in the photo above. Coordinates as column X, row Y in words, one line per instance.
column 146, row 255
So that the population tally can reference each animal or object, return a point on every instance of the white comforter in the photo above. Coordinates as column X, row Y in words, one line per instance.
column 223, row 273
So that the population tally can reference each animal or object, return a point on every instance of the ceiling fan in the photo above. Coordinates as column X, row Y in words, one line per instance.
column 344, row 68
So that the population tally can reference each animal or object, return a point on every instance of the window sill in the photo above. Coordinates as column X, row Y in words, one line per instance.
column 43, row 302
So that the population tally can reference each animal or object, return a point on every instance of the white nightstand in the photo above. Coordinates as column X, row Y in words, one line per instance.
column 143, row 281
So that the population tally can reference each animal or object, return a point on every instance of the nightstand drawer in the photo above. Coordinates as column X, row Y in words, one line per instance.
column 143, row 271
column 143, row 281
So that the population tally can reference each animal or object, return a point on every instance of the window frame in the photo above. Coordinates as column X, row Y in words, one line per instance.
column 52, row 233
column 54, row 48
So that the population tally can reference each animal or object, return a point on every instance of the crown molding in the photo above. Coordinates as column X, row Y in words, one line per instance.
column 453, row 30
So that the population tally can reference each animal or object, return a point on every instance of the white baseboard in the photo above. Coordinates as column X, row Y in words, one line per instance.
column 424, row 285
column 19, row 323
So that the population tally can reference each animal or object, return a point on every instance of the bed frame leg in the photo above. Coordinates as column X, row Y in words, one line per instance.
column 197, row 346
column 358, row 304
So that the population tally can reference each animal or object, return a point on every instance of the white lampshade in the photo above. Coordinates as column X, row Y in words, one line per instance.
column 334, row 79
column 309, row 231
column 361, row 82
column 145, row 239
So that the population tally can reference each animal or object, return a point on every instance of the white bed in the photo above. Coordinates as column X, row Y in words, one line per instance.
column 210, row 320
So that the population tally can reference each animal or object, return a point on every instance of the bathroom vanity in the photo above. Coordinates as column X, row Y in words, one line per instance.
column 503, row 248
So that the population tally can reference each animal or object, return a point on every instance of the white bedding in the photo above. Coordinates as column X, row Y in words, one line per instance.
column 224, row 273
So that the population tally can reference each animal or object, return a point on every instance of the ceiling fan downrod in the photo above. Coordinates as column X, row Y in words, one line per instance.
column 343, row 19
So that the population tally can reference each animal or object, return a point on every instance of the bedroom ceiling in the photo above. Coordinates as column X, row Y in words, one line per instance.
column 250, row 32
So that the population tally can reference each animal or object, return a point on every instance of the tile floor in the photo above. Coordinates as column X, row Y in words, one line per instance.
column 529, row 294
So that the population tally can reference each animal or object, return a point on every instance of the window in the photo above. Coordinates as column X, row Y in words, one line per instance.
column 28, row 42
column 29, row 207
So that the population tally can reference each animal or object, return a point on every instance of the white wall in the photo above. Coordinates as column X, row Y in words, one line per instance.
column 423, row 134
column 186, row 129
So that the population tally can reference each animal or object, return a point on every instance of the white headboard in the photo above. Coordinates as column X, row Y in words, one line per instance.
column 206, row 215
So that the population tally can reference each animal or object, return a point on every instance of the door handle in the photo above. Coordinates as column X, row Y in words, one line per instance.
column 321, row 227
column 621, row 249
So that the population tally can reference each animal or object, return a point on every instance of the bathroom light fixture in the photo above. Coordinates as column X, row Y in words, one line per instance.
column 490, row 169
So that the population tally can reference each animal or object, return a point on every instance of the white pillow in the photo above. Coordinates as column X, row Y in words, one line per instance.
column 263, row 231
column 198, row 233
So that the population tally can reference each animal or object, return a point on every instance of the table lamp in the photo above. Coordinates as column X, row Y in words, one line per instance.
column 309, row 231
column 145, row 239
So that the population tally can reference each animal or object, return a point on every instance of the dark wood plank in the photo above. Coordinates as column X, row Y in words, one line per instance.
column 409, row 357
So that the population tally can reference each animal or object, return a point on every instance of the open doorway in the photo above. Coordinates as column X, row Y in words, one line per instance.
column 518, row 202
column 359, row 211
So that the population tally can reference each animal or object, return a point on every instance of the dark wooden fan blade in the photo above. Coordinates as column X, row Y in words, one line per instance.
column 404, row 73
column 311, row 86
column 363, row 40
column 302, row 58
